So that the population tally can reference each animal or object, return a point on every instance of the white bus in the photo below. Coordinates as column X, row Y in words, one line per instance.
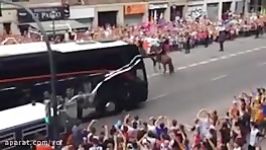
column 19, row 124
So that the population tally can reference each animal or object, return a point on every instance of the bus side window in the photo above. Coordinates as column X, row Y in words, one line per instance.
column 5, row 139
column 31, row 132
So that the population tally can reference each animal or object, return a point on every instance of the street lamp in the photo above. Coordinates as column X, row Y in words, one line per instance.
column 53, row 16
column 51, row 65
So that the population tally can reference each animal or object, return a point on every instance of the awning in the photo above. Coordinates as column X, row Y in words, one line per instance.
column 61, row 25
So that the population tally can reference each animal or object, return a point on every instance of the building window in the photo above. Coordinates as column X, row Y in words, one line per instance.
column 7, row 27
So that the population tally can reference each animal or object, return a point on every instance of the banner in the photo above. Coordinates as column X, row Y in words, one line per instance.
column 134, row 9
column 44, row 14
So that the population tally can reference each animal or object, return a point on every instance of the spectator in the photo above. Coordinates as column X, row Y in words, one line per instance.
column 254, row 137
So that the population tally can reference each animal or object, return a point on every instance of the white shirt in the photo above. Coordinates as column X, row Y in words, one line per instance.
column 253, row 140
column 91, row 136
column 96, row 148
column 204, row 127
column 152, row 128
column 237, row 148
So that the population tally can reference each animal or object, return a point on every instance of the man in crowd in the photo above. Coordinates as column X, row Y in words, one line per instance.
column 221, row 39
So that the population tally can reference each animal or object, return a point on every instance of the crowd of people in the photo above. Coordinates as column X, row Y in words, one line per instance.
column 241, row 128
column 198, row 31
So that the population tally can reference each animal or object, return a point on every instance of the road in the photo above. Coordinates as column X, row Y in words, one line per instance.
column 205, row 78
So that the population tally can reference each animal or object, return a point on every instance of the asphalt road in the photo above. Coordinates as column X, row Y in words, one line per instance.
column 205, row 78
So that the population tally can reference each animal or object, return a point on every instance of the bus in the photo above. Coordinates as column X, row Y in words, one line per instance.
column 80, row 66
column 20, row 125
column 26, row 126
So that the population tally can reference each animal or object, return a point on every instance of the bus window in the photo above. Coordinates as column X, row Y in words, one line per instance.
column 31, row 132
column 4, row 141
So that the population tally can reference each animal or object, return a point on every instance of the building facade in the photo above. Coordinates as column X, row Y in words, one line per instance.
column 12, row 18
column 214, row 9
column 72, row 14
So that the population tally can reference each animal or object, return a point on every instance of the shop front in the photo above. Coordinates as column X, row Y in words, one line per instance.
column 107, row 18
column 176, row 12
column 83, row 15
column 47, row 15
column 158, row 12
column 134, row 14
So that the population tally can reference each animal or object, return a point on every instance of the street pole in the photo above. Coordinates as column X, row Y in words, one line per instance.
column 51, row 65
column 245, row 7
column 54, row 29
column 53, row 16
column 256, row 6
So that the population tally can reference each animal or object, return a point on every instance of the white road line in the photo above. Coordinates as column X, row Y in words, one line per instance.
column 250, row 50
column 223, row 57
column 219, row 77
column 159, row 97
column 233, row 55
column 240, row 53
column 213, row 59
column 258, row 49
column 203, row 62
column 181, row 68
column 193, row 65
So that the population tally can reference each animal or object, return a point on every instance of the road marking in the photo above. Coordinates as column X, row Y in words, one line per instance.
column 182, row 68
column 158, row 97
column 193, row 65
column 233, row 55
column 203, row 62
column 219, row 77
column 214, row 60
column 240, row 53
column 250, row 50
column 223, row 57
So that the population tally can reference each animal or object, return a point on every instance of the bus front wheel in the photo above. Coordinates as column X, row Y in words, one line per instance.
column 108, row 106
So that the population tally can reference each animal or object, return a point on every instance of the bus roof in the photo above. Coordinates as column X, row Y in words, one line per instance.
column 21, row 115
column 37, row 47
